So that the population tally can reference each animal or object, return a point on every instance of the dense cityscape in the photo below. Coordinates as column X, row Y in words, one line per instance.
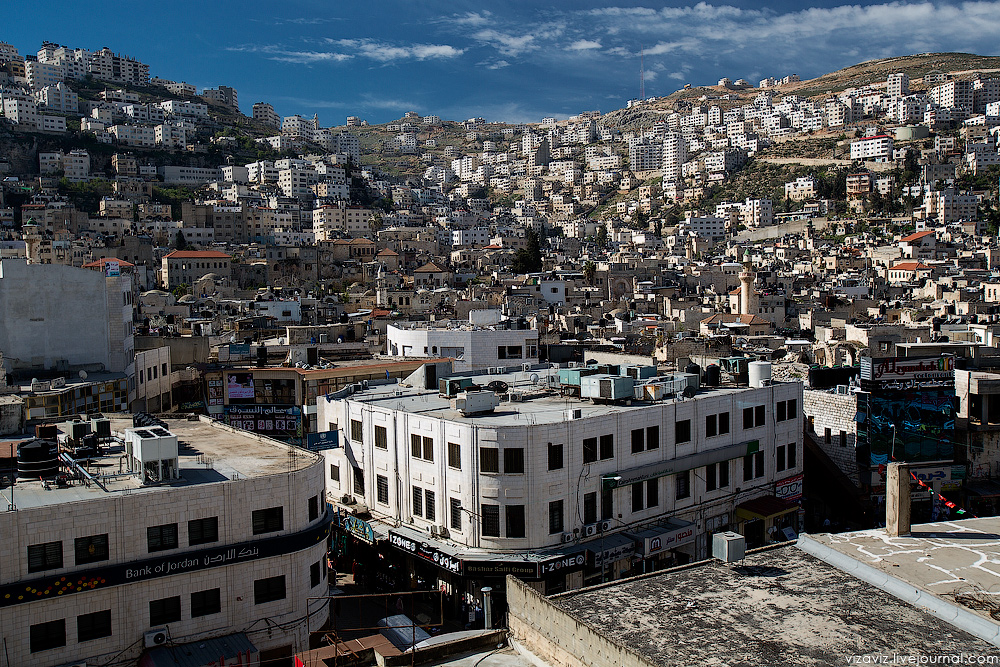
column 705, row 379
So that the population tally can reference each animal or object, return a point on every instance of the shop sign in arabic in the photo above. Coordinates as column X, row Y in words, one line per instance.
column 894, row 368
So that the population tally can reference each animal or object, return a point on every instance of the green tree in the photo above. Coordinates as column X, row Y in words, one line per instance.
column 590, row 272
column 529, row 258
column 179, row 241
column 601, row 238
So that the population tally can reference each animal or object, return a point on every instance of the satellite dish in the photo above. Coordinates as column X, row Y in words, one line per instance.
column 534, row 378
column 83, row 375
column 498, row 387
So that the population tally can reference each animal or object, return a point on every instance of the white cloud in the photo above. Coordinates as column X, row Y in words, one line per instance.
column 384, row 53
column 583, row 45
column 472, row 18
column 500, row 64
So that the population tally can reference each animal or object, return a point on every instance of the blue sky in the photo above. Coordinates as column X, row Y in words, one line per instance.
column 517, row 62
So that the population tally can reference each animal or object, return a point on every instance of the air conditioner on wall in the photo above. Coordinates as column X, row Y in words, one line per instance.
column 589, row 531
column 604, row 526
column 567, row 537
column 155, row 637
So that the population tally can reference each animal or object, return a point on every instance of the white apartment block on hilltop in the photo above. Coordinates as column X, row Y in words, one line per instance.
column 953, row 94
column 801, row 188
column 264, row 113
column 872, row 149
column 674, row 156
column 58, row 98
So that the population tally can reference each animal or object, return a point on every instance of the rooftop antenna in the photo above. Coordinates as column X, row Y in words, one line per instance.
column 642, row 74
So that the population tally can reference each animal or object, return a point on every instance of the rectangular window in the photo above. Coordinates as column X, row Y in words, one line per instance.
column 711, row 426
column 454, row 455
column 827, row 436
column 515, row 520
column 335, row 473
column 590, row 507
column 758, row 416
column 161, row 538
column 723, row 423
column 47, row 556
column 652, row 437
column 843, row 438
column 555, row 456
column 779, row 458
column 415, row 446
column 793, row 408
column 791, row 452
column 638, row 497
column 455, row 512
column 589, row 450
column 430, row 506
column 359, row 481
column 711, row 481
column 91, row 549
column 513, row 460
column 682, row 431
column 381, row 437
column 356, row 432
column 269, row 590
column 382, row 489
column 269, row 520
column 203, row 531
column 555, row 517
column 607, row 447
column 205, row 603
column 652, row 492
column 724, row 475
column 489, row 459
column 683, row 485
column 779, row 411
column 607, row 504
column 313, row 504
column 315, row 574
column 167, row 610
column 491, row 520
column 428, row 449
column 747, row 418
column 753, row 466
column 638, row 440
column 93, row 625
column 417, row 501
column 45, row 636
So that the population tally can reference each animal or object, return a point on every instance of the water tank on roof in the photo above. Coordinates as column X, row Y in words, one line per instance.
column 759, row 373
column 713, row 375
column 37, row 458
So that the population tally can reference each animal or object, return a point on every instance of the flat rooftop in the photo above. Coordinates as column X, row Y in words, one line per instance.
column 542, row 404
column 781, row 606
column 957, row 562
column 208, row 452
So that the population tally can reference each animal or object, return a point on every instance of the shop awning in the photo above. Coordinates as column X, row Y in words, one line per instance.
column 663, row 537
column 765, row 507
column 236, row 647
column 614, row 547
column 984, row 488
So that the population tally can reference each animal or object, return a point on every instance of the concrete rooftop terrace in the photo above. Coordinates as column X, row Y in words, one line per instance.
column 208, row 452
column 781, row 606
column 542, row 404
column 949, row 567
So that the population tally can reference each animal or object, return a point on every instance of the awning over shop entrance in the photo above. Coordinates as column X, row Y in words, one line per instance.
column 984, row 488
column 765, row 507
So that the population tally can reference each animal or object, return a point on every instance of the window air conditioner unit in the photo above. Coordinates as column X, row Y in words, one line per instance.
column 347, row 499
column 590, row 531
column 604, row 526
column 567, row 537
column 155, row 637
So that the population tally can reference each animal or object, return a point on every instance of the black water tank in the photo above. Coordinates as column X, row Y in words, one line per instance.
column 693, row 369
column 713, row 375
column 37, row 458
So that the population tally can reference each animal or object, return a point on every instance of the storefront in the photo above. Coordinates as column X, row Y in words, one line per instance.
column 767, row 520
column 663, row 545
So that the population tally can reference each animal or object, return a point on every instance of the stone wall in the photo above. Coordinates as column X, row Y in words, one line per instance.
column 557, row 637
column 836, row 412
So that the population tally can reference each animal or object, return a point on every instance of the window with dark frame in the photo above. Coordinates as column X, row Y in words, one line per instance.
column 91, row 549
column 682, row 431
column 269, row 589
column 779, row 458
column 711, row 426
column 161, row 538
column 48, row 635
column 753, row 466
column 683, row 485
column 381, row 437
column 758, row 415
column 590, row 507
column 94, row 625
column 555, row 517
column 382, row 489
column 166, row 610
column 313, row 508
column 723, row 423
column 417, row 501
column 589, row 450
column 356, row 432
column 430, row 505
column 555, row 456
column 607, row 447
column 791, row 452
column 489, row 459
column 638, row 497
column 652, row 493
column 638, row 440
column 206, row 603
column 514, row 515
column 779, row 411
column 711, row 481
column 455, row 512
column 359, row 481
column 45, row 556
column 315, row 574
column 335, row 473
column 454, row 455
column 607, row 504
column 652, row 437
column 513, row 460
column 203, row 531
column 490, row 515
column 269, row 520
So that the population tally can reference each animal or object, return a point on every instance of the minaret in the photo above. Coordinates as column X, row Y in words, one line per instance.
column 689, row 248
column 748, row 299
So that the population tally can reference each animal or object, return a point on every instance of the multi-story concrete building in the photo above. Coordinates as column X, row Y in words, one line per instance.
column 211, row 543
column 897, row 85
column 473, row 347
column 561, row 491
column 264, row 113
column 222, row 95
column 134, row 135
column 877, row 148
column 108, row 66
column 41, row 74
column 801, row 188
column 953, row 94
column 188, row 266
column 58, row 98
column 74, row 165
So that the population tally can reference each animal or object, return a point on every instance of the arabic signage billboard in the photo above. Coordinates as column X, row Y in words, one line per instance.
column 239, row 385
column 902, row 369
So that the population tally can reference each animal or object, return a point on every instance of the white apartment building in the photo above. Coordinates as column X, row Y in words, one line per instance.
column 189, row 175
column 58, row 98
column 948, row 206
column 473, row 347
column 224, row 95
column 75, row 165
column 170, row 135
column 561, row 491
column 134, row 135
column 298, row 180
column 674, row 156
column 20, row 109
column 801, row 188
column 952, row 94
column 108, row 66
column 263, row 171
column 897, row 85
column 708, row 227
column 41, row 74
column 202, row 548
column 264, row 113
column 874, row 149
column 184, row 108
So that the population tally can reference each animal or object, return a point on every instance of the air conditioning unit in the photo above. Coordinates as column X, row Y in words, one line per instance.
column 567, row 537
column 589, row 531
column 515, row 397
column 155, row 637
column 573, row 364
column 604, row 526
column 525, row 368
column 574, row 413
column 347, row 499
